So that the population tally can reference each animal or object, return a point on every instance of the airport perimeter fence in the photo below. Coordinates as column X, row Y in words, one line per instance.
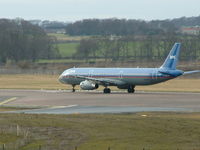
column 17, row 147
column 39, row 147
column 30, row 71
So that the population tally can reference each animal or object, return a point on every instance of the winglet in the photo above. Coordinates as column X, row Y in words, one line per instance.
column 172, row 59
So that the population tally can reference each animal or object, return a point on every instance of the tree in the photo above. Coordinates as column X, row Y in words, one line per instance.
column 21, row 40
column 87, row 47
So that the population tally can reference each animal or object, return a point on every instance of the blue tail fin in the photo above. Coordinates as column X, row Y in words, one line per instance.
column 172, row 59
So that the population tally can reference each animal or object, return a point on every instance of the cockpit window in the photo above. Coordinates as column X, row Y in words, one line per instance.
column 69, row 71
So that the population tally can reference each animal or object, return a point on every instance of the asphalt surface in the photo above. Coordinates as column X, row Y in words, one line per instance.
column 65, row 102
column 99, row 110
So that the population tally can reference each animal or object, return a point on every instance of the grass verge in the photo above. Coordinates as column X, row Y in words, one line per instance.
column 120, row 131
column 22, row 81
column 5, row 108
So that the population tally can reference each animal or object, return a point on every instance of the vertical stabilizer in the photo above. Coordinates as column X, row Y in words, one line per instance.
column 172, row 59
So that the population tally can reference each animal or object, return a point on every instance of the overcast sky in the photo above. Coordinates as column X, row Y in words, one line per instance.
column 72, row 10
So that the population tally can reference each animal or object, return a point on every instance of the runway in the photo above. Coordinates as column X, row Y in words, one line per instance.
column 96, row 102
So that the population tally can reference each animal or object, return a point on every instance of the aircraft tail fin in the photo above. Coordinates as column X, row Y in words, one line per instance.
column 172, row 59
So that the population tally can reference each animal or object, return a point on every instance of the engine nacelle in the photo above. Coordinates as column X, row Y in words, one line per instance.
column 88, row 85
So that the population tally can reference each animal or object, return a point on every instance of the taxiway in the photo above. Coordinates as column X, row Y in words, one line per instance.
column 92, row 101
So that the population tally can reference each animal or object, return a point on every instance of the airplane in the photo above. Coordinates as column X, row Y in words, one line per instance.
column 124, row 78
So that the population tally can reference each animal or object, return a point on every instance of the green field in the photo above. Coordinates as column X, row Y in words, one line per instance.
column 67, row 45
column 49, row 61
column 129, row 51
column 67, row 49
column 67, row 38
column 156, row 131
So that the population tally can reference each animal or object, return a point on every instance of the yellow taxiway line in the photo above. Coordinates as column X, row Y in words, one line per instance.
column 8, row 100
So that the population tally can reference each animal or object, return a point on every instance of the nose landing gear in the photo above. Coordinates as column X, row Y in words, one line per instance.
column 73, row 88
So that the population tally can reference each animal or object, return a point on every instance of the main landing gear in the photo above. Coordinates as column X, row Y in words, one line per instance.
column 106, row 90
column 131, row 89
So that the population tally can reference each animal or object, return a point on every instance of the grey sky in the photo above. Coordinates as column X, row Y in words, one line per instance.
column 71, row 10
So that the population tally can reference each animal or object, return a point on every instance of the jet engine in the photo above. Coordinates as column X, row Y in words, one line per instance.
column 88, row 85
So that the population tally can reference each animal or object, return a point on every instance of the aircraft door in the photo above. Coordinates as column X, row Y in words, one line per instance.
column 90, row 74
column 121, row 74
column 154, row 74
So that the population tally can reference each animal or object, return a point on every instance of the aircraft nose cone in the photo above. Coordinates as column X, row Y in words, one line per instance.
column 61, row 79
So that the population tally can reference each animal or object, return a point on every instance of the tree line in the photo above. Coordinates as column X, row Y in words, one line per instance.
column 20, row 40
column 117, row 27
column 146, row 48
column 114, row 26
column 117, row 39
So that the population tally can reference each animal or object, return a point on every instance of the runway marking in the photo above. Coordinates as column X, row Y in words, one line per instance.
column 71, row 106
column 57, row 107
column 8, row 100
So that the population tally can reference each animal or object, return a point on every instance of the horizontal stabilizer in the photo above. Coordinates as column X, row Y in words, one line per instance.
column 174, row 73
column 190, row 72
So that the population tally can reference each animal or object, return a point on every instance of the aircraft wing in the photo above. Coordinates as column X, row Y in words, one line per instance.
column 190, row 72
column 103, row 81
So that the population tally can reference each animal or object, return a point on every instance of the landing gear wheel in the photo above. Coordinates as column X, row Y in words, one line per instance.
column 73, row 88
column 106, row 90
column 131, row 89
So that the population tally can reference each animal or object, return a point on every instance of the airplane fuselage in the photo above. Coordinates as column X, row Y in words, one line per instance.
column 127, row 76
